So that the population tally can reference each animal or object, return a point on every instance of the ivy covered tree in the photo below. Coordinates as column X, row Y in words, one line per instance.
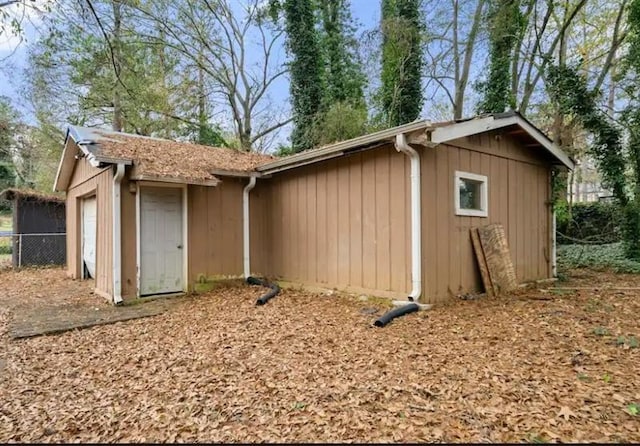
column 401, row 94
column 505, row 23
column 344, row 111
column 615, row 162
column 305, row 70
column 344, row 77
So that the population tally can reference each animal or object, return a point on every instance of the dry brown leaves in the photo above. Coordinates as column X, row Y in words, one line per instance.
column 312, row 368
column 165, row 158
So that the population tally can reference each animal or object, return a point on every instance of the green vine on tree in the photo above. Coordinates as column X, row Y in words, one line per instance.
column 401, row 93
column 505, row 24
column 573, row 96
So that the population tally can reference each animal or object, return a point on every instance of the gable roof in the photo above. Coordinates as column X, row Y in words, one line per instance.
column 430, row 134
column 183, row 162
column 153, row 158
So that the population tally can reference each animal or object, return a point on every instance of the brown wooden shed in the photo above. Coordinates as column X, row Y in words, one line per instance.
column 347, row 216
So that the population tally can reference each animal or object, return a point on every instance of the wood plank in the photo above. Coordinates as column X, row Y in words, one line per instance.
column 444, row 208
column 321, row 233
column 496, row 252
column 344, row 213
column 355, row 200
column 429, row 224
column 312, row 219
column 482, row 262
column 455, row 271
column 332, row 222
column 399, row 206
column 368, row 219
column 302, row 255
column 383, row 233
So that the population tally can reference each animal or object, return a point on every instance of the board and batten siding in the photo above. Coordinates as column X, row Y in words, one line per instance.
column 518, row 195
column 345, row 223
column 215, row 229
column 341, row 223
column 87, row 181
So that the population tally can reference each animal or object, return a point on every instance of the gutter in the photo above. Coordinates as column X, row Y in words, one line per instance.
column 416, row 209
column 117, row 234
column 246, row 228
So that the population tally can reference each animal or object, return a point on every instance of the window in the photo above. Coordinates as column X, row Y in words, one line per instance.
column 471, row 194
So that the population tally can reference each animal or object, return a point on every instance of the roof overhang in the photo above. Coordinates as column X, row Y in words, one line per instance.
column 339, row 149
column 476, row 126
column 75, row 148
column 421, row 133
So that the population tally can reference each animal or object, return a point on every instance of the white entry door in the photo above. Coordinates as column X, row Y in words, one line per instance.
column 89, row 232
column 161, row 244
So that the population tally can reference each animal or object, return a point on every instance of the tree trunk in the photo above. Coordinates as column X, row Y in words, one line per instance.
column 462, row 81
column 202, row 106
column 117, row 106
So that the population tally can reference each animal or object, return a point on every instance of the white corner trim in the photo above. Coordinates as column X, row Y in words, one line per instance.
column 185, row 238
column 484, row 194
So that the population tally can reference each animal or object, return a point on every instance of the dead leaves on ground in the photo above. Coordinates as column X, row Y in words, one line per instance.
column 312, row 368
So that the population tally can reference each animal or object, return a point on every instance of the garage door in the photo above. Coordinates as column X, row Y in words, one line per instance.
column 161, row 245
column 89, row 235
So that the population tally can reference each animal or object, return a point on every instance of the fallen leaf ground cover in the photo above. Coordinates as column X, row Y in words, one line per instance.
column 312, row 368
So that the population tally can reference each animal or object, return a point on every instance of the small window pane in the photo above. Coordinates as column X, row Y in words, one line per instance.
column 470, row 194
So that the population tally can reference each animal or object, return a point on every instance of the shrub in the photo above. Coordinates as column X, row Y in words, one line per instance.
column 607, row 256
column 599, row 222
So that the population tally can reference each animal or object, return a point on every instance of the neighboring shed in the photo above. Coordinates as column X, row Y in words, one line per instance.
column 385, row 214
column 39, row 227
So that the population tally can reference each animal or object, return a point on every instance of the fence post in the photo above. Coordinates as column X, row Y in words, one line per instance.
column 20, row 251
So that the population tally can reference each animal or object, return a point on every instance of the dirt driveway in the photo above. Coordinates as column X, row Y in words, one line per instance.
column 310, row 367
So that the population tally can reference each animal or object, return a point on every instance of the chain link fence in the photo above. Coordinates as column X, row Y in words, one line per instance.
column 18, row 250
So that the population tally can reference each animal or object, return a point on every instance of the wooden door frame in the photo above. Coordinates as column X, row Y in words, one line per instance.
column 185, row 245
column 80, row 240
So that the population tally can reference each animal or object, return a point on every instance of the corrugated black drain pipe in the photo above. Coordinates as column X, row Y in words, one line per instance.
column 396, row 312
column 273, row 289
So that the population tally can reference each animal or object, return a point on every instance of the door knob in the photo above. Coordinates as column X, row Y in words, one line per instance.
column 179, row 246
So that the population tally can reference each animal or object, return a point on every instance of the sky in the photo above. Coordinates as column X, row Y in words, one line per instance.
column 14, row 49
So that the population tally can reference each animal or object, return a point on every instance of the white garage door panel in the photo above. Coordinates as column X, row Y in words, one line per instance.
column 161, row 246
column 89, row 213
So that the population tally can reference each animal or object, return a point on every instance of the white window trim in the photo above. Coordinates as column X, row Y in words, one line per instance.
column 484, row 194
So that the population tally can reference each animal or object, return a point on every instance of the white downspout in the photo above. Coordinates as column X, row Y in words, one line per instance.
column 416, row 225
column 117, row 235
column 554, row 261
column 246, row 229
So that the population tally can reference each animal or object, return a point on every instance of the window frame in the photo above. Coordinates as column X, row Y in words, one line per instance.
column 484, row 194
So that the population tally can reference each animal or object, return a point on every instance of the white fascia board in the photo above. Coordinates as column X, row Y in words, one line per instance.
column 56, row 183
column 544, row 141
column 475, row 126
column 324, row 152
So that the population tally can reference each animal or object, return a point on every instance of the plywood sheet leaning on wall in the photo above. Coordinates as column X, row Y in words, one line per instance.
column 482, row 262
column 494, row 259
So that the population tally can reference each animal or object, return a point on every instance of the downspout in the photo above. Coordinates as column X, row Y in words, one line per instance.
column 554, row 261
column 416, row 208
column 246, row 229
column 117, row 235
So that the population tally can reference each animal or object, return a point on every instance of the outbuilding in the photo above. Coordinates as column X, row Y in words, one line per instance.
column 38, row 227
column 385, row 214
